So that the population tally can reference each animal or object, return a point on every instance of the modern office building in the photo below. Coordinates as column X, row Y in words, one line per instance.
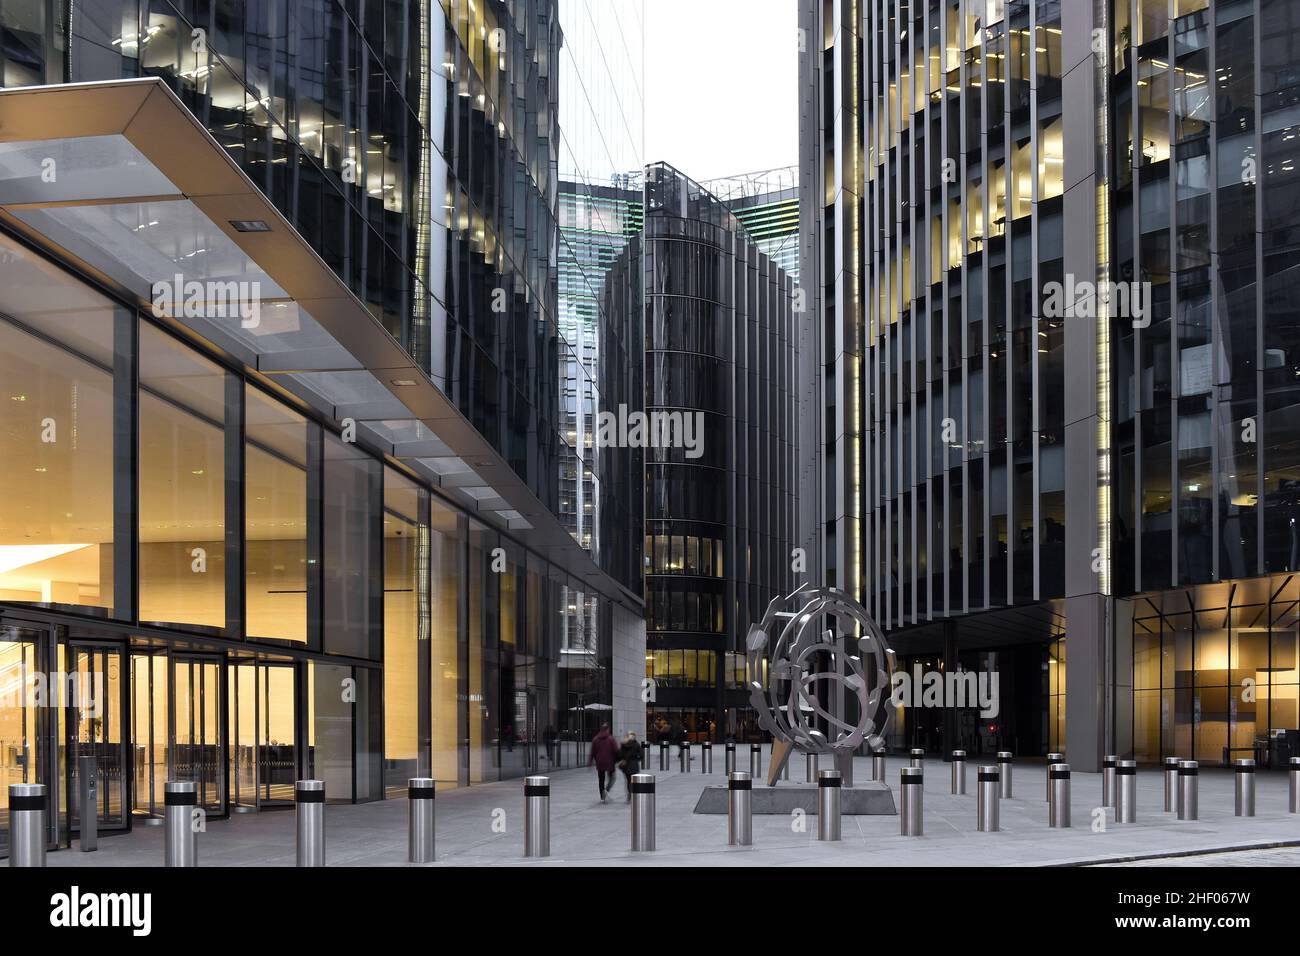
column 766, row 204
column 720, row 502
column 281, row 430
column 1054, row 261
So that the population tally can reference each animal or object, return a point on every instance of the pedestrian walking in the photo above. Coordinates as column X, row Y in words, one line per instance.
column 604, row 754
column 629, row 761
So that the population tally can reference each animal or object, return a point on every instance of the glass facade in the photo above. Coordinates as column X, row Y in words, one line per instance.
column 1106, row 463
column 720, row 517
column 282, row 570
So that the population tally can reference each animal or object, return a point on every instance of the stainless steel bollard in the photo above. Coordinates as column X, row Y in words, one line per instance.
column 684, row 757
column 420, row 793
column 1245, row 795
column 645, row 753
column 810, row 768
column 643, row 812
column 706, row 758
column 988, row 787
column 1058, row 807
column 27, row 824
column 88, row 803
column 180, row 841
column 756, row 761
column 740, row 808
column 829, row 785
column 537, row 816
column 918, row 757
column 1051, row 759
column 959, row 772
column 1295, row 784
column 1171, row 784
column 309, row 809
column 1108, row 780
column 1004, row 771
column 663, row 756
column 911, row 801
column 729, row 761
column 878, row 766
column 1126, row 791
column 1188, row 800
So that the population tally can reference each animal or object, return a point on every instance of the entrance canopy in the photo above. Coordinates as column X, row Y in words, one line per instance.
column 121, row 181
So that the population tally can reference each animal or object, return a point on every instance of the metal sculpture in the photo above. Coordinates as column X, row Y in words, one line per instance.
column 818, row 670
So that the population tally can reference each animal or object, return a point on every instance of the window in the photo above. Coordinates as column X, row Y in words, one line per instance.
column 182, row 483
column 275, row 519
column 57, row 442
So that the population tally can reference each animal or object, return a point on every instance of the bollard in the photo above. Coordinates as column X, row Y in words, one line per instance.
column 756, row 761
column 878, row 766
column 911, row 799
column 537, row 816
column 419, row 820
column 663, row 756
column 1004, row 771
column 1295, row 784
column 1126, row 791
column 810, row 768
column 706, row 758
column 1108, row 780
column 828, row 805
column 1171, row 784
column 309, row 810
column 88, row 802
column 1051, row 759
column 684, row 758
column 740, row 822
column 645, row 753
column 987, row 794
column 180, row 842
column 643, row 812
column 1188, row 801
column 1245, row 797
column 959, row 772
column 1058, row 807
column 729, row 761
column 918, row 757
column 27, row 824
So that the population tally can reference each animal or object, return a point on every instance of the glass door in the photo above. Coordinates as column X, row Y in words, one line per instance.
column 95, row 729
column 198, row 751
column 148, row 733
column 22, row 723
column 263, row 758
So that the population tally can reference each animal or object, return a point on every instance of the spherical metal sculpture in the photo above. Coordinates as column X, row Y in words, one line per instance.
column 818, row 670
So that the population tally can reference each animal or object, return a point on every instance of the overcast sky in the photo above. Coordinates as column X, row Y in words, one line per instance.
column 721, row 94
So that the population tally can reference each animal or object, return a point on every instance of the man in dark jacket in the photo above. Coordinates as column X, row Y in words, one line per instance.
column 604, row 754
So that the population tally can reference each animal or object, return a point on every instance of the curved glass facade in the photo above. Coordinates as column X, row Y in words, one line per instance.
column 719, row 335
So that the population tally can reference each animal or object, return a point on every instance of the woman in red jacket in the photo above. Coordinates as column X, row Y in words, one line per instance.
column 604, row 754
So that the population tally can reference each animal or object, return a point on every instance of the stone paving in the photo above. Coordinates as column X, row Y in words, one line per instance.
column 585, row 831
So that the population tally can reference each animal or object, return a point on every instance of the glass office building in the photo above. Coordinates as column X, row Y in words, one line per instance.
column 281, row 419
column 720, row 515
column 1092, row 501
column 766, row 204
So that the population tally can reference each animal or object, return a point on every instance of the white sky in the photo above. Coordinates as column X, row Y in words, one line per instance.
column 721, row 85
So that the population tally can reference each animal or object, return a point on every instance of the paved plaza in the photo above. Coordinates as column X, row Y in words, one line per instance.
column 586, row 832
